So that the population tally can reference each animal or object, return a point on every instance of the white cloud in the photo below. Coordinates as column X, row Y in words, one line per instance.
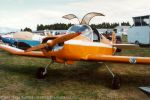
column 30, row 18
column 115, row 10
column 15, row 1
column 27, row 14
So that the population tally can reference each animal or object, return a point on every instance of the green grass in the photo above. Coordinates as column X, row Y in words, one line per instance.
column 124, row 39
column 83, row 80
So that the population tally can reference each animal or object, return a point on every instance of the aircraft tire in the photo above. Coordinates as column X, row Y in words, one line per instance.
column 39, row 73
column 116, row 82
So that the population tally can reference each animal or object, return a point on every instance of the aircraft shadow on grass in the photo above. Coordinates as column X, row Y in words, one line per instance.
column 86, row 74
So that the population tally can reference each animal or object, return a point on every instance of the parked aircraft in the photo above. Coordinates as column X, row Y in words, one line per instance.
column 78, row 45
column 22, row 40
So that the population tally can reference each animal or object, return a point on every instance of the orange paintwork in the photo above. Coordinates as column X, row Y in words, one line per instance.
column 71, row 52
column 78, row 52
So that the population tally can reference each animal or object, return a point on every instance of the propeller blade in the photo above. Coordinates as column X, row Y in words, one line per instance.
column 54, row 42
column 36, row 47
column 63, row 38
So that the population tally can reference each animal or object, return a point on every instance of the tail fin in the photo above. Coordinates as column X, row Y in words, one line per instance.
column 107, row 41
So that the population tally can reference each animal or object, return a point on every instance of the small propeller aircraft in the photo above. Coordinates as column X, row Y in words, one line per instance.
column 80, row 43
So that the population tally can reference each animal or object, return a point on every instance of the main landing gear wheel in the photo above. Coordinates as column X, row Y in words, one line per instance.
column 116, row 82
column 41, row 73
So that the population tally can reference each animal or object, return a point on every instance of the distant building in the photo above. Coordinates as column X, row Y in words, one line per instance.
column 58, row 32
column 53, row 32
column 105, row 31
column 121, row 30
column 139, row 33
column 41, row 32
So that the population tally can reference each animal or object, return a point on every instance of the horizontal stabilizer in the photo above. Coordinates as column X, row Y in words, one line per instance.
column 126, row 46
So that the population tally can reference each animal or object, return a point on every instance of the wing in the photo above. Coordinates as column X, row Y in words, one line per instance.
column 119, row 59
column 17, row 51
column 126, row 46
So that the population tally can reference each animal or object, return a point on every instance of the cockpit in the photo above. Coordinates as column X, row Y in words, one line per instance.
column 90, row 33
column 85, row 30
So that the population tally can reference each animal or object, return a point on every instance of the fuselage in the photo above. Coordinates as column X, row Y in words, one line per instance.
column 79, row 50
column 76, row 49
column 80, row 47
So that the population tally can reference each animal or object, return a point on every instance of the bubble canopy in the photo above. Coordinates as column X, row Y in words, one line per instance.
column 85, row 30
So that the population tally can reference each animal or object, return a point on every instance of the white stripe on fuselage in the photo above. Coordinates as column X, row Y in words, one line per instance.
column 85, row 43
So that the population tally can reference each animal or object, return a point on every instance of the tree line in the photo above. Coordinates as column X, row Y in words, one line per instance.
column 57, row 26
column 62, row 26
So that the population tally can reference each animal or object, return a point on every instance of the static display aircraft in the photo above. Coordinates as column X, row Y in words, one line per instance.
column 80, row 43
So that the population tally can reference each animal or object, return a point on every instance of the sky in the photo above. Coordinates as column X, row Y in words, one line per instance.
column 28, row 13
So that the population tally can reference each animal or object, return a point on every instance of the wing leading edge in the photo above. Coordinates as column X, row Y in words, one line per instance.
column 17, row 51
column 119, row 59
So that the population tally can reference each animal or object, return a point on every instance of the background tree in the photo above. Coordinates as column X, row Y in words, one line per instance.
column 125, row 24
column 27, row 29
column 57, row 26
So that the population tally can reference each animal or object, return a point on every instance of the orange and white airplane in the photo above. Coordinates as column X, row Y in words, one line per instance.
column 80, row 43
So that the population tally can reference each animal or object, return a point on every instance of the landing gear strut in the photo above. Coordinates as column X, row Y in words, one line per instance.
column 42, row 72
column 116, row 81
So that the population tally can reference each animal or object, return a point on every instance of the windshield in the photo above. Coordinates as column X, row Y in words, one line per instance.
column 84, row 29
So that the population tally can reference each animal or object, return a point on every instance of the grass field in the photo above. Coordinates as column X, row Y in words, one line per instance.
column 83, row 80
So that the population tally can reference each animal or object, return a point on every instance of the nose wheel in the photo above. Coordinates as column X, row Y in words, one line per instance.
column 116, row 80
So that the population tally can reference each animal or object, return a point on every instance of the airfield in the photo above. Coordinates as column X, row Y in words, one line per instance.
column 83, row 80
